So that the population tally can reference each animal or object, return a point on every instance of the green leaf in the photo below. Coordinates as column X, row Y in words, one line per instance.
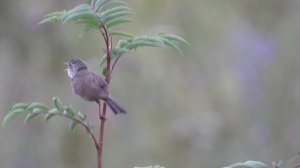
column 80, row 8
column 69, row 111
column 79, row 16
column 89, row 1
column 121, row 33
column 58, row 104
column 81, row 116
column 122, row 43
column 86, row 30
column 48, row 116
column 30, row 116
column 115, row 10
column 56, row 13
column 18, row 106
column 53, row 17
column 111, row 4
column 140, row 43
column 53, row 111
column 103, row 60
column 173, row 37
column 112, row 16
column 117, row 21
column 73, row 125
column 90, row 23
column 98, row 3
column 12, row 115
column 152, row 39
column 37, row 105
column 122, row 51
column 38, row 110
column 171, row 44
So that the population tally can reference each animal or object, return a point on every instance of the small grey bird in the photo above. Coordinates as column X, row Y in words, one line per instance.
column 90, row 86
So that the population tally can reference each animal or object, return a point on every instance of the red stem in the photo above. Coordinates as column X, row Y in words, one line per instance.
column 85, row 126
column 102, row 114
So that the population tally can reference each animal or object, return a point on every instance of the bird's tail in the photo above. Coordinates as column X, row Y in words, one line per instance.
column 114, row 106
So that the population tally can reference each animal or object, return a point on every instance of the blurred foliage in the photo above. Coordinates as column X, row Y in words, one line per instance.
column 32, row 110
column 234, row 97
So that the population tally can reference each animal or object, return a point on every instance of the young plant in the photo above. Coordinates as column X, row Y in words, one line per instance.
column 103, row 16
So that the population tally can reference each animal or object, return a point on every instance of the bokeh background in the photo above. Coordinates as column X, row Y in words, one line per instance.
column 234, row 96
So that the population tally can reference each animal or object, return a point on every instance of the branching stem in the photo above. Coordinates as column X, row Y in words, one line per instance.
column 102, row 114
column 84, row 125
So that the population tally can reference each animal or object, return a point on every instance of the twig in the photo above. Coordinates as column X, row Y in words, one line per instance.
column 84, row 125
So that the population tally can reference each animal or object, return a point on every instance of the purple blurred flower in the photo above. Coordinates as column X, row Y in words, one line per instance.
column 254, row 50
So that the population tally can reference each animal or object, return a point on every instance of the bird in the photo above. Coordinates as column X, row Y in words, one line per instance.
column 90, row 86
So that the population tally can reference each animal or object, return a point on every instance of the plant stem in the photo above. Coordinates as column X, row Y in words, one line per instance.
column 85, row 126
column 102, row 114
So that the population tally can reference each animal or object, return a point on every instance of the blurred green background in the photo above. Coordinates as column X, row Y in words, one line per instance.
column 234, row 96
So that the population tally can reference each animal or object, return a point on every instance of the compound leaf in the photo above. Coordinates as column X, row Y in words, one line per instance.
column 121, row 33
column 12, row 115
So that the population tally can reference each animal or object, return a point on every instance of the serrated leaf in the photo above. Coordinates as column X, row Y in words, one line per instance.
column 122, row 43
column 174, row 38
column 73, row 125
column 255, row 164
column 121, row 33
column 81, row 116
column 91, row 23
column 86, row 30
column 58, row 104
column 115, row 10
column 52, row 19
column 171, row 44
column 122, row 51
column 79, row 15
column 98, row 3
column 12, row 115
column 56, row 13
column 18, row 106
column 151, row 39
column 37, row 105
column 79, row 8
column 30, row 116
column 119, row 53
column 112, row 16
column 139, row 43
column 111, row 4
column 117, row 21
column 48, row 116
